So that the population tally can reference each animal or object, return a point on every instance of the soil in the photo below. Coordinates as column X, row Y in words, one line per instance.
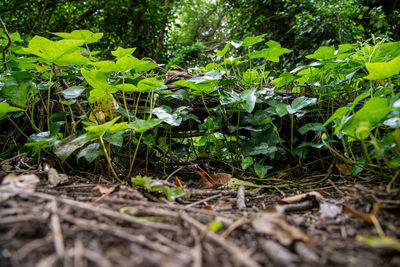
column 74, row 224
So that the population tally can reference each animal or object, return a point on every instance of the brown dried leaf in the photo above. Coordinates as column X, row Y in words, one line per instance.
column 53, row 177
column 179, row 182
column 274, row 223
column 213, row 181
column 299, row 198
column 343, row 169
column 106, row 191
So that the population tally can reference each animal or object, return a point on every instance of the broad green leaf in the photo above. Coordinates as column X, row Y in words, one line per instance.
column 251, row 77
column 122, row 52
column 97, row 79
column 87, row 36
column 96, row 94
column 324, row 53
column 314, row 126
column 43, row 139
column 261, row 170
column 373, row 111
column 144, row 125
column 208, row 76
column 105, row 65
column 118, row 127
column 91, row 152
column 127, row 87
column 249, row 41
column 249, row 98
column 227, row 97
column 73, row 92
column 196, row 89
column 15, row 90
column 272, row 53
column 392, row 122
column 383, row 70
column 281, row 109
column 223, row 52
column 102, row 128
column 339, row 113
column 262, row 149
column 284, row 79
column 6, row 108
column 360, row 97
column 128, row 63
column 302, row 102
column 148, row 84
column 247, row 162
column 345, row 48
column 163, row 114
column 63, row 52
column 116, row 139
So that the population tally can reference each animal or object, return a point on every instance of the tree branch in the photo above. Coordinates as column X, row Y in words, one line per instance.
column 3, row 26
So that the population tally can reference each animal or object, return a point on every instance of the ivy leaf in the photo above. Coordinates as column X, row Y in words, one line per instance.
column 163, row 114
column 383, row 70
column 127, row 87
column 249, row 99
column 223, row 52
column 91, row 152
column 148, row 84
column 261, row 170
column 284, row 79
column 249, row 41
column 6, row 108
column 247, row 162
column 144, row 125
column 63, row 52
column 73, row 92
column 324, row 53
column 102, row 128
column 87, row 36
column 272, row 53
column 16, row 90
column 314, row 126
column 122, row 52
column 300, row 103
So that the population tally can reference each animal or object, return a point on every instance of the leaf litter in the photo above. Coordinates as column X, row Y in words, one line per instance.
column 155, row 223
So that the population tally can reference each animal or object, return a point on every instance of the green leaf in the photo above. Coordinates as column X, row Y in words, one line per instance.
column 91, row 152
column 147, row 84
column 392, row 122
column 345, row 48
column 63, row 52
column 122, row 52
column 249, row 98
column 6, row 108
column 251, row 77
column 281, row 109
column 249, row 41
column 339, row 113
column 360, row 97
column 383, row 70
column 215, row 226
column 324, row 53
column 247, row 162
column 208, row 76
column 73, row 92
column 127, row 87
column 262, row 149
column 144, row 125
column 15, row 90
column 223, row 52
column 163, row 114
column 261, row 170
column 373, row 111
column 227, row 97
column 301, row 102
column 272, row 53
column 102, row 128
column 97, row 79
column 284, row 79
column 314, row 126
column 118, row 127
column 87, row 36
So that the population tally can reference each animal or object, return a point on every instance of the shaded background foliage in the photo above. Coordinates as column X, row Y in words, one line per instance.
column 184, row 31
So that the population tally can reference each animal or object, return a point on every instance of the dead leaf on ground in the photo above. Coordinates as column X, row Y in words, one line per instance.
column 106, row 191
column 302, row 197
column 343, row 169
column 25, row 182
column 179, row 182
column 213, row 181
column 274, row 223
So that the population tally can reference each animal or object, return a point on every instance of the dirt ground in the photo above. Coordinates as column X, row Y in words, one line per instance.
column 79, row 223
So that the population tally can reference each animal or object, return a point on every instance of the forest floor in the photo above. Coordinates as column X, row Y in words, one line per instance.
column 87, row 220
